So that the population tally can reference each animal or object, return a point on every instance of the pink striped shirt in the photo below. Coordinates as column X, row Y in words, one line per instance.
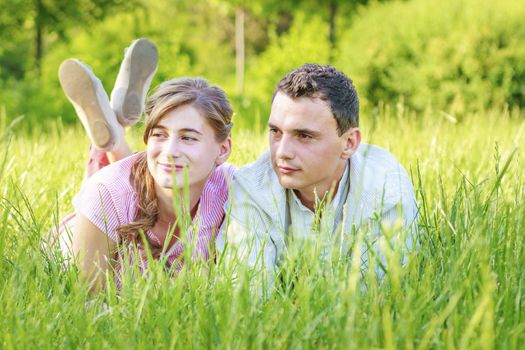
column 108, row 200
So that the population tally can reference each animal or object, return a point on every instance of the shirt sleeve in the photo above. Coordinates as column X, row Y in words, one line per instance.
column 213, row 198
column 247, row 238
column 394, row 229
column 95, row 202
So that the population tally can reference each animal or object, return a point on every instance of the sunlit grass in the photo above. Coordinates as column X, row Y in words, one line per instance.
column 462, row 288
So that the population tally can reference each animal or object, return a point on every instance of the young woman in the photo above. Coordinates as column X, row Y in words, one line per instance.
column 187, row 132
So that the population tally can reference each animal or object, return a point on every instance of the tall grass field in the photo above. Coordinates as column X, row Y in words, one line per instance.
column 462, row 286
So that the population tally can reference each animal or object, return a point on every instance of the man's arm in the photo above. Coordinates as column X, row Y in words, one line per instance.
column 392, row 233
column 247, row 241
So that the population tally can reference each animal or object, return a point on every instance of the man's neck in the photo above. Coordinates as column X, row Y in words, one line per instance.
column 310, row 196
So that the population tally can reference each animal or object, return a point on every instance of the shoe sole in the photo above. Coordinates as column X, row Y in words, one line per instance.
column 80, row 89
column 143, row 63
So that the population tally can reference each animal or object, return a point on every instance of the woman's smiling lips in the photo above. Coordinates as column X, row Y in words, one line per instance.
column 169, row 168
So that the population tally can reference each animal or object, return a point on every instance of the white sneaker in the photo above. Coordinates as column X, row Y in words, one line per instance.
column 86, row 93
column 133, row 80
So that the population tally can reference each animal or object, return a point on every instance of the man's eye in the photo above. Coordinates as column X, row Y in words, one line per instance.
column 273, row 130
column 305, row 136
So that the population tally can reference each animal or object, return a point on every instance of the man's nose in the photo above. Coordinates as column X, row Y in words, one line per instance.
column 285, row 147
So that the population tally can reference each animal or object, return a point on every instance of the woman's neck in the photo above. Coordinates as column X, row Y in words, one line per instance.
column 167, row 213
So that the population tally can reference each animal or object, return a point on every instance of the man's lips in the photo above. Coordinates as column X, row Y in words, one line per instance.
column 286, row 170
column 168, row 167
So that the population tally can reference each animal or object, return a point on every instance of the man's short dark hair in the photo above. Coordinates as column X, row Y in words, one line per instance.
column 328, row 84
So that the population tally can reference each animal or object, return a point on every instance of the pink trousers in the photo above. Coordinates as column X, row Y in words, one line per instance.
column 97, row 160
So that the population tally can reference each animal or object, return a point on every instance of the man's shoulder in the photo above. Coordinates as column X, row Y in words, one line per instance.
column 377, row 164
column 256, row 185
column 257, row 174
column 378, row 158
column 380, row 175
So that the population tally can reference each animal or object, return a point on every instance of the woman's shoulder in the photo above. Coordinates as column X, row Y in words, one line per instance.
column 214, row 195
column 222, row 174
column 219, row 180
column 116, row 175
column 228, row 169
column 112, row 184
column 108, row 198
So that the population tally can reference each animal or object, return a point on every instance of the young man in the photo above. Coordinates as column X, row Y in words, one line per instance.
column 316, row 160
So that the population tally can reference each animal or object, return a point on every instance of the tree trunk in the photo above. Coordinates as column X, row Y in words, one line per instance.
column 332, row 13
column 239, row 50
column 38, row 36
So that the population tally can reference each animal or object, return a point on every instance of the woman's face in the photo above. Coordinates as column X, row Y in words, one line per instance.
column 184, row 139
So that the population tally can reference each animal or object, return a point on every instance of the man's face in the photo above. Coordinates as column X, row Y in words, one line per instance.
column 307, row 152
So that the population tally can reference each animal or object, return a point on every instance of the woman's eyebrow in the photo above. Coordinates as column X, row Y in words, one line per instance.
column 190, row 130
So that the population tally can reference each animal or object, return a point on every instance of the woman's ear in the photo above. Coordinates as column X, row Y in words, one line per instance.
column 224, row 151
column 352, row 140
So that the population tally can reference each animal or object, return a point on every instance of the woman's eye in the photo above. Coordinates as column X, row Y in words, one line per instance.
column 188, row 138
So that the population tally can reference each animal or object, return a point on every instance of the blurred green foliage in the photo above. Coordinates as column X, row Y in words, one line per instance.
column 454, row 56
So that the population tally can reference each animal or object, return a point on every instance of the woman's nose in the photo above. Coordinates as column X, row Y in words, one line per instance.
column 173, row 147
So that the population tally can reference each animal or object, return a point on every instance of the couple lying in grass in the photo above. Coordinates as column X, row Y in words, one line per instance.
column 316, row 177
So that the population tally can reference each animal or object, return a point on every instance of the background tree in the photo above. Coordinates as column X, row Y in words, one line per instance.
column 419, row 53
column 45, row 20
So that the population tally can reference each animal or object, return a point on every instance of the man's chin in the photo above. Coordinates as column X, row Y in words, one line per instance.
column 288, row 183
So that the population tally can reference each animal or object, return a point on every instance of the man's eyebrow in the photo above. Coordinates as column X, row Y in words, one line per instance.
column 306, row 131
column 298, row 131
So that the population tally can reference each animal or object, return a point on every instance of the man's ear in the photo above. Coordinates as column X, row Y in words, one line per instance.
column 224, row 151
column 352, row 140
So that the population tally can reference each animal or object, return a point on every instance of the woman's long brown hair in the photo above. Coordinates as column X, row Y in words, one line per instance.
column 212, row 103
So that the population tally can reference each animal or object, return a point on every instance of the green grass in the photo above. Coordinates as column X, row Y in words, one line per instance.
column 462, row 288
